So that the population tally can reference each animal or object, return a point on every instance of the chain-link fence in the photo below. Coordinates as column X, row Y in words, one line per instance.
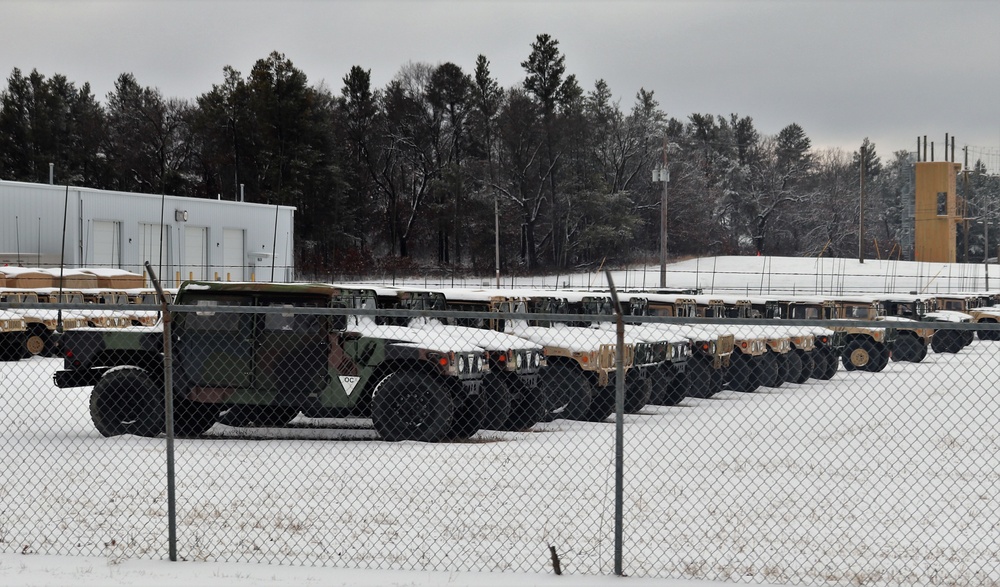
column 313, row 427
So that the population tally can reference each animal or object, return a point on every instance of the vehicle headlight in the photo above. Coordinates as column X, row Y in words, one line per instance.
column 711, row 348
column 518, row 360
column 534, row 359
column 477, row 364
column 462, row 366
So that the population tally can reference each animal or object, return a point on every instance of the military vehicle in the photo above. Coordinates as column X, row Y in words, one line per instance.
column 711, row 350
column 40, row 323
column 660, row 354
column 759, row 355
column 798, row 362
column 913, row 340
column 257, row 354
column 829, row 345
column 578, row 382
column 12, row 336
column 866, row 348
column 512, row 399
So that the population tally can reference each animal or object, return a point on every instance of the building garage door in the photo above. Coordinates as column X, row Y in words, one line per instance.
column 156, row 252
column 233, row 254
column 195, row 253
column 105, row 244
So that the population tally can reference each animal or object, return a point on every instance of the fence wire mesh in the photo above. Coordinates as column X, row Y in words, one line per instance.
column 480, row 437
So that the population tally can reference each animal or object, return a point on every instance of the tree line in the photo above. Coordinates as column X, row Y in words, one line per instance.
column 413, row 175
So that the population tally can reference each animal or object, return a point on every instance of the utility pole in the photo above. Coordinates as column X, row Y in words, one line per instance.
column 965, row 207
column 861, row 210
column 663, row 175
column 496, row 236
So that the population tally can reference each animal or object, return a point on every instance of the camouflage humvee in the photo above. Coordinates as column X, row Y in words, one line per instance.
column 865, row 348
column 260, row 366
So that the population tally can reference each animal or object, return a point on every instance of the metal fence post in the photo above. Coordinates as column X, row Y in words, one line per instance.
column 168, row 384
column 619, row 422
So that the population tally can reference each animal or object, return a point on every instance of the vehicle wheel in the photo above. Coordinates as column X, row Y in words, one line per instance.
column 768, row 370
column 857, row 354
column 36, row 342
column 830, row 364
column 741, row 373
column 470, row 410
column 938, row 341
column 602, row 404
column 906, row 348
column 988, row 334
column 922, row 354
column 10, row 347
column 527, row 407
column 194, row 418
column 808, row 360
column 566, row 390
column 638, row 390
column 245, row 416
column 408, row 405
column 126, row 400
column 676, row 387
column 496, row 401
column 879, row 358
column 967, row 337
column 701, row 379
column 663, row 392
column 793, row 366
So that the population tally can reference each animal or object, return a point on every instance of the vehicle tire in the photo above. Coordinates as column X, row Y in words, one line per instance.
column 967, row 337
column 497, row 401
column 768, row 370
column 857, row 354
column 988, row 334
column 37, row 342
column 830, row 364
column 676, row 387
column 409, row 405
column 247, row 416
column 946, row 341
column 922, row 354
column 664, row 392
column 527, row 406
column 194, row 418
column 602, row 404
column 808, row 360
column 907, row 348
column 793, row 366
column 567, row 392
column 638, row 391
column 880, row 358
column 10, row 347
column 700, row 380
column 741, row 374
column 126, row 400
column 470, row 410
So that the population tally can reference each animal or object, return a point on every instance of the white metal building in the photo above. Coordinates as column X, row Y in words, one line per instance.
column 182, row 238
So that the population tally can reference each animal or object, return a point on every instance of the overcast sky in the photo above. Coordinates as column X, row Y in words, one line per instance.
column 843, row 70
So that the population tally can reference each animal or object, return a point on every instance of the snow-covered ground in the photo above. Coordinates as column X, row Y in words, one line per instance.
column 867, row 479
column 766, row 275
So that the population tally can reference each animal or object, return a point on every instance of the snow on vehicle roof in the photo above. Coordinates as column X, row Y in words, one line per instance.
column 440, row 341
column 490, row 340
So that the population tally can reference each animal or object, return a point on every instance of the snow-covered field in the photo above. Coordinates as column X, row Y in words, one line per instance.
column 867, row 479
